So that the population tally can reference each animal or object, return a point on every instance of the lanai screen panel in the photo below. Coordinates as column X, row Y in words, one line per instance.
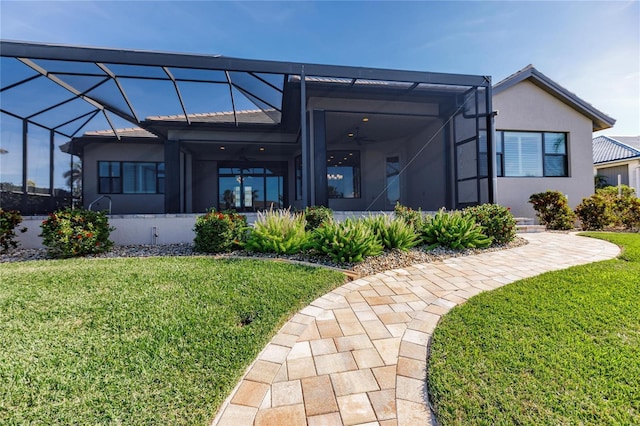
column 67, row 91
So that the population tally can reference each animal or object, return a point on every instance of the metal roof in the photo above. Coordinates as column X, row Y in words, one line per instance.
column 71, row 89
column 600, row 120
column 609, row 148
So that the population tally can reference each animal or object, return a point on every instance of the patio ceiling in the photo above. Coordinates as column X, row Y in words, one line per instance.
column 71, row 90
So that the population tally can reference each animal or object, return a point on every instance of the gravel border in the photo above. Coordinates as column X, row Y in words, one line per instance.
column 393, row 259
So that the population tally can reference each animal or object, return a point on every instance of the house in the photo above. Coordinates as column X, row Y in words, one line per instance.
column 543, row 140
column 168, row 133
column 617, row 157
column 185, row 132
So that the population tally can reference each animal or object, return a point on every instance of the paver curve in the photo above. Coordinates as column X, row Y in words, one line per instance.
column 357, row 355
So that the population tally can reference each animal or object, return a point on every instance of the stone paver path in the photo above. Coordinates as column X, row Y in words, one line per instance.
column 357, row 355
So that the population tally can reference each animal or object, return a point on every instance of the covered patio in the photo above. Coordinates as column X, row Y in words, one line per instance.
column 153, row 133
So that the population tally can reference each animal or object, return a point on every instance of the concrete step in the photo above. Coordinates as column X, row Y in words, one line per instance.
column 523, row 229
column 524, row 221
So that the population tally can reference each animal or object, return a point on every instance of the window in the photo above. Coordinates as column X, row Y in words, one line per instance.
column 531, row 154
column 109, row 181
column 393, row 180
column 343, row 174
column 126, row 177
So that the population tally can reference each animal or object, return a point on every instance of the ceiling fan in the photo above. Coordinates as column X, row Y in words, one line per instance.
column 357, row 137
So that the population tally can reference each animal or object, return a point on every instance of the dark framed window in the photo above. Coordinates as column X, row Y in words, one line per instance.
column 531, row 154
column 343, row 174
column 130, row 177
column 109, row 177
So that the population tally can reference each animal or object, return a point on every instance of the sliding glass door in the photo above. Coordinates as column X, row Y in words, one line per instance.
column 248, row 187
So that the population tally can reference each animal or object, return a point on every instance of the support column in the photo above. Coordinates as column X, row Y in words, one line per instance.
column 172, row 176
column 491, row 149
column 304, row 140
column 52, row 191
column 320, row 159
column 24, row 197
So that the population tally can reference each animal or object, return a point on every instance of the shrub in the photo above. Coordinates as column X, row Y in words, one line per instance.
column 278, row 231
column 631, row 217
column 79, row 232
column 316, row 216
column 218, row 232
column 346, row 242
column 410, row 216
column 453, row 230
column 594, row 212
column 552, row 209
column 497, row 221
column 9, row 219
column 619, row 201
column 393, row 233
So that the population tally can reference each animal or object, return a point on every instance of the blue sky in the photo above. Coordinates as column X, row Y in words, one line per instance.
column 591, row 48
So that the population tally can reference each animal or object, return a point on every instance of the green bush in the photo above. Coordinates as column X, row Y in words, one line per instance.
column 346, row 242
column 316, row 216
column 393, row 233
column 594, row 212
column 497, row 221
column 619, row 202
column 278, row 231
column 631, row 217
column 552, row 209
column 79, row 232
column 453, row 230
column 9, row 220
column 409, row 215
column 218, row 232
column 610, row 208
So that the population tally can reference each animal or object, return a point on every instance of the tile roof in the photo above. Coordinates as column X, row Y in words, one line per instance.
column 132, row 132
column 245, row 116
column 611, row 148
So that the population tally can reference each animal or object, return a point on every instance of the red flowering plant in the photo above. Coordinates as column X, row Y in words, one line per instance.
column 76, row 232
column 218, row 232
column 9, row 220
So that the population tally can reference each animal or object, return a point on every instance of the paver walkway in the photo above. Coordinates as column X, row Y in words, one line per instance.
column 357, row 355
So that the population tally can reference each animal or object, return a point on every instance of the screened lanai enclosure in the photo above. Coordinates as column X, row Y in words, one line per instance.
column 147, row 132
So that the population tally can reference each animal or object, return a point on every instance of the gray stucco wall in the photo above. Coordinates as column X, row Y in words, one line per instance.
column 526, row 107
column 121, row 203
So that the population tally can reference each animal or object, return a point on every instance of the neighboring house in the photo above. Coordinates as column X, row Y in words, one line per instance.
column 617, row 157
column 543, row 140
column 211, row 131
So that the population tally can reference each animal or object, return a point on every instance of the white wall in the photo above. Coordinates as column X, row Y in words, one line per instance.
column 527, row 107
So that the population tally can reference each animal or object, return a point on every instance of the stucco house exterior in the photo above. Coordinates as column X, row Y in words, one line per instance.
column 615, row 156
column 543, row 140
column 164, row 133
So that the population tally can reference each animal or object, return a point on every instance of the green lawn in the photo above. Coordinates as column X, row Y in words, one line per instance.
column 561, row 348
column 138, row 341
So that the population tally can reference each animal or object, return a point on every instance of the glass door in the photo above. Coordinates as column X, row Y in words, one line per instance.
column 249, row 189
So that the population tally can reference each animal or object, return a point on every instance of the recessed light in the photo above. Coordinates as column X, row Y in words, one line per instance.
column 350, row 134
column 351, row 153
column 222, row 148
column 345, row 158
column 365, row 119
column 339, row 162
column 262, row 148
